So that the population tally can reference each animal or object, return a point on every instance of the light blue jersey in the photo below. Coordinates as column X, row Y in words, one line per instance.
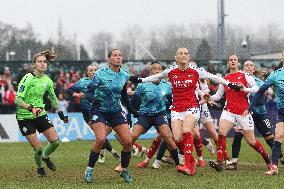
column 258, row 109
column 106, row 87
column 167, row 95
column 154, row 97
column 276, row 78
column 81, row 86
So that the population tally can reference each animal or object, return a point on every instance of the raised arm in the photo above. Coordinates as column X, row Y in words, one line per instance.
column 252, row 86
column 218, row 95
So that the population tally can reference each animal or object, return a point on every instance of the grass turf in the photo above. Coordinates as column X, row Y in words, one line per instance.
column 18, row 170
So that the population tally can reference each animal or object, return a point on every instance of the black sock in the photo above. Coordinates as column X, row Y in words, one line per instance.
column 236, row 146
column 205, row 142
column 276, row 152
column 93, row 157
column 270, row 142
column 174, row 154
column 125, row 159
column 108, row 145
column 162, row 150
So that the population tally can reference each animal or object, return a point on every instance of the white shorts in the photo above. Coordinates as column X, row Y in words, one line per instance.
column 195, row 112
column 205, row 115
column 242, row 122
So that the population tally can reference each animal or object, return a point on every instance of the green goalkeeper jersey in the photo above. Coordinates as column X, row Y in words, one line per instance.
column 31, row 90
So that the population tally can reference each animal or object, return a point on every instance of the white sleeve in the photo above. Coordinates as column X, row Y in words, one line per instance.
column 204, row 87
column 206, row 75
column 218, row 95
column 199, row 91
column 157, row 77
column 252, row 86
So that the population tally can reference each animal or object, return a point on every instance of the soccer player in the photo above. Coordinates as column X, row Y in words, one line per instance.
column 152, row 111
column 236, row 111
column 107, row 89
column 276, row 79
column 185, row 112
column 31, row 114
column 79, row 89
column 261, row 121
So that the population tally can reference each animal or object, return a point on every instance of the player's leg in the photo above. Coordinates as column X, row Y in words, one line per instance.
column 53, row 143
column 225, row 124
column 124, row 134
column 100, row 133
column 188, row 125
column 166, row 134
column 247, row 125
column 28, row 130
column 279, row 136
column 236, row 147
column 197, row 141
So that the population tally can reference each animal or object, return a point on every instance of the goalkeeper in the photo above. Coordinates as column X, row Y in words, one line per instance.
column 30, row 112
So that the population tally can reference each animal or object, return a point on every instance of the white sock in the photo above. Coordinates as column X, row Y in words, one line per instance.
column 235, row 160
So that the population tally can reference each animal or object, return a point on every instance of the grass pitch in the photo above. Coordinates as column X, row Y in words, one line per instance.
column 18, row 170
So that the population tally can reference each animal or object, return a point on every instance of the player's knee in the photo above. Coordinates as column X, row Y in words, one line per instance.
column 279, row 136
column 100, row 141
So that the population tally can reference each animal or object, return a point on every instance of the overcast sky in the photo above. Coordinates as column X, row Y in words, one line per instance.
column 86, row 17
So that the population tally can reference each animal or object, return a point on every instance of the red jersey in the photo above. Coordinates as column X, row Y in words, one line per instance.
column 184, row 88
column 184, row 85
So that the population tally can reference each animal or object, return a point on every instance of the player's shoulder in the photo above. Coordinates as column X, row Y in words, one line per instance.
column 277, row 72
column 164, row 82
column 124, row 72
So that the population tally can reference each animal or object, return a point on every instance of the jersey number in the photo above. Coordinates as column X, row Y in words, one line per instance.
column 22, row 88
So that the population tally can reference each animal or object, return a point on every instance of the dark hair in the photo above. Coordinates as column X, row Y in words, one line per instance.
column 155, row 62
column 110, row 52
column 48, row 54
column 86, row 70
column 239, row 58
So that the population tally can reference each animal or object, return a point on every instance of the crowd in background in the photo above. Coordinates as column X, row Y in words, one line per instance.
column 63, row 79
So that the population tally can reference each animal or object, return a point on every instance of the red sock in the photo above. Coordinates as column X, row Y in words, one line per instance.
column 226, row 155
column 221, row 147
column 260, row 149
column 138, row 146
column 153, row 148
column 180, row 145
column 198, row 146
column 187, row 147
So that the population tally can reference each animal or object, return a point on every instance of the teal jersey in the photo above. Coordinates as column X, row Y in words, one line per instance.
column 81, row 86
column 276, row 78
column 106, row 87
column 31, row 90
column 153, row 97
column 258, row 109
column 167, row 95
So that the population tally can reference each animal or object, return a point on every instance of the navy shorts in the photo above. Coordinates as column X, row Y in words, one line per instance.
column 30, row 126
column 86, row 116
column 262, row 123
column 280, row 115
column 147, row 121
column 110, row 119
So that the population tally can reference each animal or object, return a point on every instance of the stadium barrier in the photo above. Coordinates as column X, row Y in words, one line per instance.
column 77, row 129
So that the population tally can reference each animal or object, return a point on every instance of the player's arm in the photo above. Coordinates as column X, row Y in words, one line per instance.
column 52, row 96
column 252, row 86
column 216, row 79
column 54, row 102
column 75, row 90
column 258, row 96
column 152, row 78
column 126, row 102
column 218, row 95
